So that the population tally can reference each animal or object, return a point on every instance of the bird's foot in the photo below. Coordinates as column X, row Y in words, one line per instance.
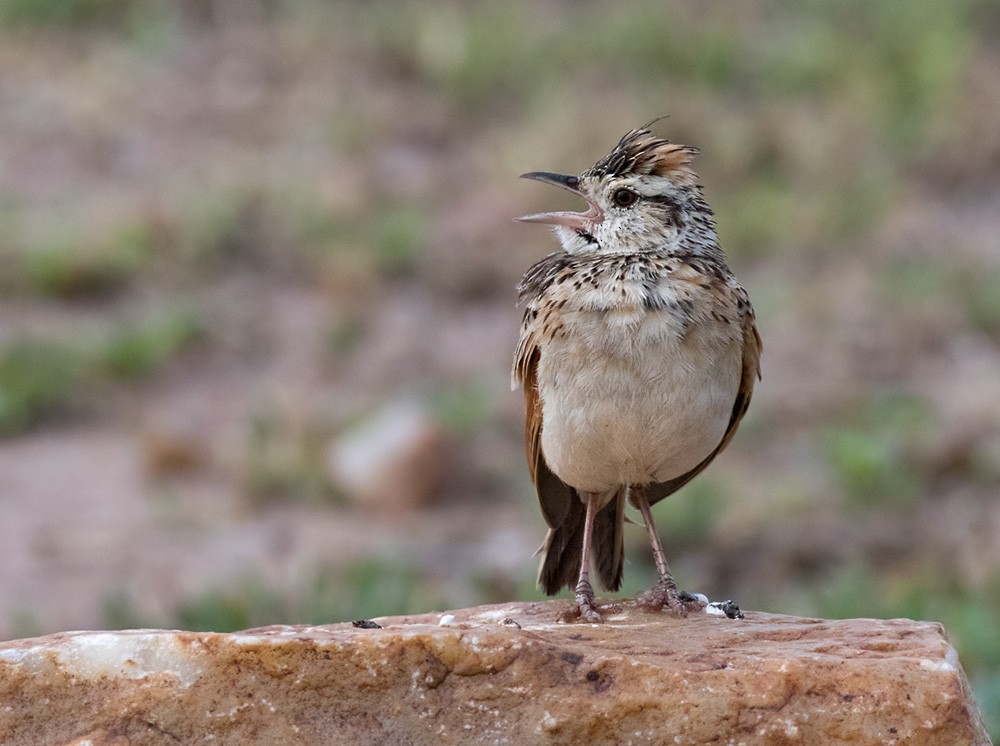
column 664, row 595
column 583, row 607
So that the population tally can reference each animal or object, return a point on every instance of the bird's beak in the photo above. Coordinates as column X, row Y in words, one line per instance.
column 584, row 221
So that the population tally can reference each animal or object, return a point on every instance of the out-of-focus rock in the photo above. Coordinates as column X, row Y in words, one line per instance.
column 393, row 460
column 499, row 674
column 174, row 445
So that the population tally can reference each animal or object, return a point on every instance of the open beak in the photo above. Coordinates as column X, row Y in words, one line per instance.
column 580, row 221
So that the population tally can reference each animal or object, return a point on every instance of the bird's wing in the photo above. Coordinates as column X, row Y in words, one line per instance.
column 751, row 373
column 554, row 495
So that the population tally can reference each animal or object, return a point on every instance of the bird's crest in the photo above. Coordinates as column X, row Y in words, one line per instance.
column 640, row 152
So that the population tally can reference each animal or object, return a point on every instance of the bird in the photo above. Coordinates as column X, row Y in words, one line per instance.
column 638, row 354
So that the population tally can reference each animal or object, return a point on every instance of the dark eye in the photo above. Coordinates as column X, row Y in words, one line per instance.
column 624, row 197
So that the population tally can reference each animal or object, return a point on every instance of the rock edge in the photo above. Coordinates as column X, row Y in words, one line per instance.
column 496, row 674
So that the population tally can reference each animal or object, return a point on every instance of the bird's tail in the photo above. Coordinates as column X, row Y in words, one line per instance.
column 609, row 545
column 564, row 546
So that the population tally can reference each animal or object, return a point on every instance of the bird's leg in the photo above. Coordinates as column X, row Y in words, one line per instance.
column 583, row 605
column 664, row 594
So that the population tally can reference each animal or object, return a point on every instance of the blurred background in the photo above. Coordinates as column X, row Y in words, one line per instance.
column 257, row 272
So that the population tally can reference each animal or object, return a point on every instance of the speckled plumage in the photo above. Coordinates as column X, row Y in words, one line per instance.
column 638, row 354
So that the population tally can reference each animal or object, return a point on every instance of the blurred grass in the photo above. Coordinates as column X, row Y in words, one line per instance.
column 397, row 235
column 68, row 13
column 67, row 270
column 46, row 378
column 37, row 379
column 933, row 282
column 873, row 80
column 463, row 407
column 686, row 520
column 287, row 460
column 138, row 350
column 367, row 588
column 876, row 456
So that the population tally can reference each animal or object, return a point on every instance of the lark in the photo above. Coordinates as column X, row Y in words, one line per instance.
column 638, row 355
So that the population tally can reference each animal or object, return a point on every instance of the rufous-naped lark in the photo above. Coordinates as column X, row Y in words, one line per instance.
column 638, row 355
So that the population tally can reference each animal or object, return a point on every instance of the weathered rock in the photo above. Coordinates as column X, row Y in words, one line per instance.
column 498, row 674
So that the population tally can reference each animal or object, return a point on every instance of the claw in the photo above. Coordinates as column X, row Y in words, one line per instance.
column 664, row 595
column 587, row 610
column 583, row 607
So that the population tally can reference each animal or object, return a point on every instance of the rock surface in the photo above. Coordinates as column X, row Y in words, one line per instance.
column 496, row 674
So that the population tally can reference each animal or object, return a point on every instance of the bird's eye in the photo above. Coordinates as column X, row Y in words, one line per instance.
column 624, row 197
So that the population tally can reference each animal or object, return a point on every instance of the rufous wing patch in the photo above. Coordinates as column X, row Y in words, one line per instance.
column 554, row 495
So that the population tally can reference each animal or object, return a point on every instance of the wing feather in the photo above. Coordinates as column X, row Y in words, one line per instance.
column 554, row 495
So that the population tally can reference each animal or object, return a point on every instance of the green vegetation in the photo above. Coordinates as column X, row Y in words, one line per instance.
column 943, row 283
column 64, row 12
column 37, row 379
column 286, row 460
column 398, row 234
column 344, row 335
column 42, row 378
column 687, row 518
column 362, row 590
column 69, row 270
column 137, row 351
column 870, row 82
column 874, row 456
column 464, row 407
column 980, row 292
column 251, row 604
column 226, row 228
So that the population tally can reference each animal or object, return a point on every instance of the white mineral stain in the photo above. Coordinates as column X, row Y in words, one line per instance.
column 949, row 664
column 548, row 722
column 134, row 655
column 495, row 614
column 276, row 632
column 230, row 713
column 15, row 655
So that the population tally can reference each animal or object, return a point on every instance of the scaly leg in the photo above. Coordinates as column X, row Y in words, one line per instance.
column 583, row 605
column 664, row 593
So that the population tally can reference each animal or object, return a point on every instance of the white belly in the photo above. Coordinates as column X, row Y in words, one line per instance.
column 627, row 399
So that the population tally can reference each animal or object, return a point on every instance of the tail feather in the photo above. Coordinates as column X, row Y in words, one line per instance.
column 563, row 547
column 609, row 545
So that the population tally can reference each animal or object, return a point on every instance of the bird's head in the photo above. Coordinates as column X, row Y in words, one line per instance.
column 640, row 196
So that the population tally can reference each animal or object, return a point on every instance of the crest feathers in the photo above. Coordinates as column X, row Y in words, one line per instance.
column 641, row 152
